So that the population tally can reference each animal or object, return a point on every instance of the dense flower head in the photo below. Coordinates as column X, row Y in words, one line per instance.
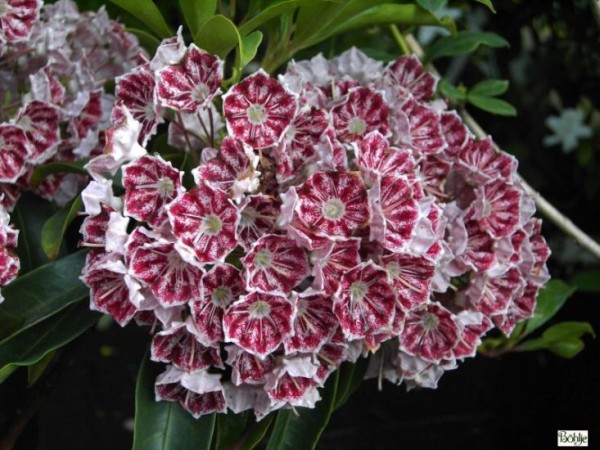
column 334, row 212
column 55, row 63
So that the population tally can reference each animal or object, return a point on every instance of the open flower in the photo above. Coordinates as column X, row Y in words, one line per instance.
column 258, row 110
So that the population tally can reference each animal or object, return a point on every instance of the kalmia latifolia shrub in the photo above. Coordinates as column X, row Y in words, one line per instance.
column 54, row 63
column 317, row 218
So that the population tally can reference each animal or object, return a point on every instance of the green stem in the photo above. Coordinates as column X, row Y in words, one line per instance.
column 399, row 38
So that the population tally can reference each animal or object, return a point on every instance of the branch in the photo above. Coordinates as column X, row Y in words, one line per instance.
column 543, row 205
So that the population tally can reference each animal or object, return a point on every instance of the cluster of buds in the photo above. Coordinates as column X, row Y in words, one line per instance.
column 54, row 63
column 331, row 213
column 9, row 262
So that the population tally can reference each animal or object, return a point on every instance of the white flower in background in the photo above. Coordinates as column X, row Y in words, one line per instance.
column 568, row 128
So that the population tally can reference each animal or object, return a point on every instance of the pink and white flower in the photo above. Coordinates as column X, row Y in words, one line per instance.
column 259, row 322
column 204, row 220
column 259, row 110
column 275, row 264
column 364, row 110
column 191, row 84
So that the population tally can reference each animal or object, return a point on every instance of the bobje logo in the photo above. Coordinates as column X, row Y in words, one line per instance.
column 573, row 438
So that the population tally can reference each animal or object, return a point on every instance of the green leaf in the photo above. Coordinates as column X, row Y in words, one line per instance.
column 587, row 281
column 230, row 428
column 29, row 217
column 567, row 349
column 489, row 88
column 41, row 293
column 464, row 42
column 563, row 339
column 267, row 14
column 240, row 431
column 255, row 434
column 394, row 14
column 568, row 330
column 487, row 3
column 351, row 376
column 318, row 18
column 303, row 431
column 550, row 299
column 431, row 5
column 147, row 12
column 32, row 345
column 147, row 40
column 6, row 372
column 248, row 48
column 166, row 425
column 36, row 370
column 197, row 12
column 492, row 105
column 452, row 92
column 45, row 170
column 55, row 227
column 218, row 36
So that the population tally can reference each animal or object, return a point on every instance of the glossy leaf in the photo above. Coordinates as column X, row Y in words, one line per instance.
column 489, row 88
column 550, row 299
column 452, row 92
column 319, row 17
column 431, row 5
column 147, row 12
column 255, row 434
column 464, row 42
column 240, row 431
column 492, row 105
column 563, row 339
column 52, row 168
column 230, row 428
column 6, row 372
column 36, row 370
column 218, row 36
column 587, row 280
column 351, row 376
column 197, row 12
column 41, row 293
column 29, row 217
column 302, row 429
column 248, row 47
column 267, row 14
column 487, row 3
column 55, row 227
column 32, row 345
column 393, row 14
column 166, row 425
column 147, row 40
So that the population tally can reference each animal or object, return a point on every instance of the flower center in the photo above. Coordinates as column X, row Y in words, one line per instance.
column 430, row 321
column 333, row 209
column 221, row 296
column 357, row 126
column 263, row 259
column 200, row 92
column 257, row 114
column 259, row 310
column 149, row 111
column 175, row 261
column 165, row 187
column 211, row 225
column 358, row 291
column 247, row 217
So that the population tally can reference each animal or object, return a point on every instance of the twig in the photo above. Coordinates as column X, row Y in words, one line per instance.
column 543, row 205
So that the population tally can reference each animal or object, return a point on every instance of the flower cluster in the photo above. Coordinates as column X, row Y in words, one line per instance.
column 9, row 262
column 54, row 63
column 331, row 213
